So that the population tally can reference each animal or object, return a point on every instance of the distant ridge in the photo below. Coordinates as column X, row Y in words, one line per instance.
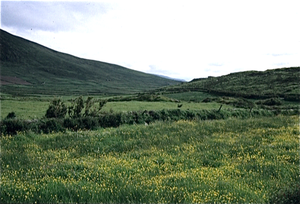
column 163, row 76
column 48, row 72
column 281, row 82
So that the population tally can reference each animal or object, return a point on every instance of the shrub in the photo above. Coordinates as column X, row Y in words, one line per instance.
column 270, row 102
column 12, row 126
column 72, row 124
column 76, row 108
column 57, row 109
column 52, row 125
column 33, row 125
column 89, row 110
column 154, row 115
column 243, row 103
column 150, row 116
column 164, row 115
column 190, row 115
column 11, row 115
column 292, row 97
column 110, row 120
column 89, row 123
column 207, row 100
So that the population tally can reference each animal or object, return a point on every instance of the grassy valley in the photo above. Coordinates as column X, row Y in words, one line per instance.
column 81, row 131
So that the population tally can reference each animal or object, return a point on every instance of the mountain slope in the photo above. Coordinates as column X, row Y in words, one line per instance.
column 283, row 82
column 46, row 71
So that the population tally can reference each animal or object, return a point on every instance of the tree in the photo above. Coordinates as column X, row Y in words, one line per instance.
column 75, row 109
column 90, row 109
column 56, row 109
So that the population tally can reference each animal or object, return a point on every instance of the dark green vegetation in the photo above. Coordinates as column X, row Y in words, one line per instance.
column 82, row 120
column 253, row 160
column 282, row 83
column 88, row 115
column 29, row 68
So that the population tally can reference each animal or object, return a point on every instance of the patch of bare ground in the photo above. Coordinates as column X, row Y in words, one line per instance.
column 9, row 80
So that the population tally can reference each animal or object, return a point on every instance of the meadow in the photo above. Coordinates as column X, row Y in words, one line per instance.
column 35, row 108
column 254, row 160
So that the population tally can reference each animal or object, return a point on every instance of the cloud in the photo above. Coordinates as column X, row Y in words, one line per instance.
column 216, row 64
column 279, row 54
column 153, row 69
column 48, row 16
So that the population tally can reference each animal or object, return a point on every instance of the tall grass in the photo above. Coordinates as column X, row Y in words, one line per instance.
column 225, row 161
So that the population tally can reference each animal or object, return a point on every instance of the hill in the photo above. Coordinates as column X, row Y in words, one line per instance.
column 30, row 68
column 283, row 83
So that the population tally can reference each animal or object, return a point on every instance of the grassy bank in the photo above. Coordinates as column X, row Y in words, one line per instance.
column 228, row 161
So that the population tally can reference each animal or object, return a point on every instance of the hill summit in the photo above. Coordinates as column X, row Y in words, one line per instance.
column 30, row 68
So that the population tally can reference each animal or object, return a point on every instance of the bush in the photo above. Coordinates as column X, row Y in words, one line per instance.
column 11, row 115
column 52, row 125
column 270, row 102
column 207, row 100
column 12, row 126
column 111, row 120
column 89, row 123
column 244, row 103
column 150, row 116
column 292, row 97
column 72, row 124
column 57, row 109
column 76, row 108
column 92, row 111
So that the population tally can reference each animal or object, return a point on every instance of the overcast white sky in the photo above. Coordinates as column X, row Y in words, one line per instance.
column 183, row 39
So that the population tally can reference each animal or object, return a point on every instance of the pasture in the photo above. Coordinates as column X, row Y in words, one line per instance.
column 224, row 161
column 35, row 107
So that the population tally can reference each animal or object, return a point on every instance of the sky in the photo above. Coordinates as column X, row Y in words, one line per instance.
column 183, row 39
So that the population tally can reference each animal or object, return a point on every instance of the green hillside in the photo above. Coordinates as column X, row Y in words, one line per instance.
column 283, row 83
column 29, row 68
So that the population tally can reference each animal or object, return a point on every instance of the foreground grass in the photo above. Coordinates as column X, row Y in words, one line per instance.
column 226, row 161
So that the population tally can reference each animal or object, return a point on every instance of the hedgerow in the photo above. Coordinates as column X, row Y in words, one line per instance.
column 47, row 125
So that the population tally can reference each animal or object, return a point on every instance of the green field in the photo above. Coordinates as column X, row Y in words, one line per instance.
column 35, row 108
column 144, row 105
column 220, row 161
column 26, row 109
